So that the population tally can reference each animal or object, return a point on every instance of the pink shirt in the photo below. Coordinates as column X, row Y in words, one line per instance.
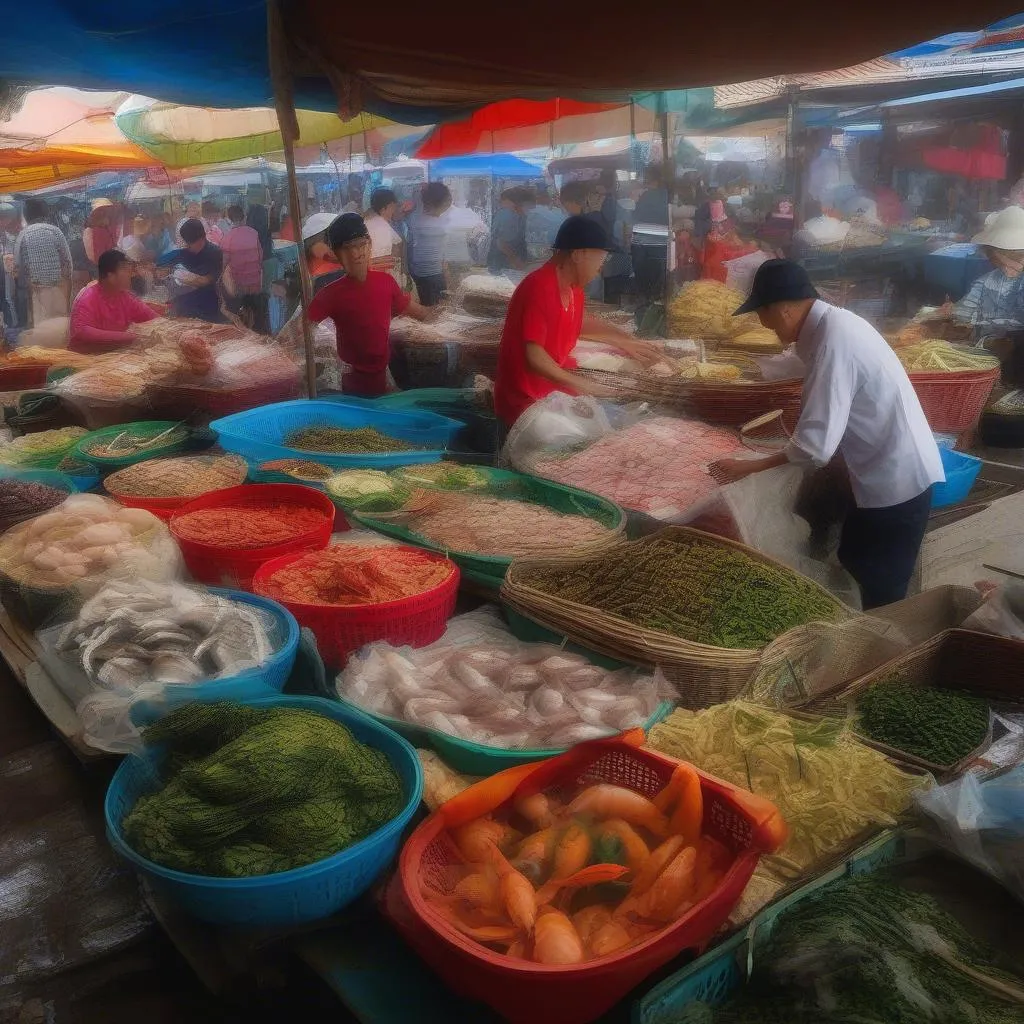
column 100, row 319
column 243, row 256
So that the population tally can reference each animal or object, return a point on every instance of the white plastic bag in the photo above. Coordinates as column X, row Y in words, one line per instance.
column 554, row 424
column 739, row 273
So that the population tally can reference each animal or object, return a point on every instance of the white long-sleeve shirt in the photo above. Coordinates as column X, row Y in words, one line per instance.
column 858, row 400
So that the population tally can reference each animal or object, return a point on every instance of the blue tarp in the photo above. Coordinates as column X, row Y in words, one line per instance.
column 499, row 165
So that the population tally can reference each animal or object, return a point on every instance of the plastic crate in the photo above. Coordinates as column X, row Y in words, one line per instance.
column 235, row 567
column 287, row 897
column 527, row 993
column 713, row 977
column 341, row 629
column 22, row 376
column 144, row 428
column 505, row 483
column 476, row 758
column 260, row 434
column 961, row 472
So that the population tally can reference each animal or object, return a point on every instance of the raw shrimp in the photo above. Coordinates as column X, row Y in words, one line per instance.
column 535, row 851
column 479, row 890
column 656, row 863
column 480, row 840
column 555, row 940
column 535, row 809
column 609, row 937
column 482, row 933
column 596, row 874
column 589, row 920
column 519, row 899
column 671, row 888
column 572, row 852
column 688, row 817
column 633, row 846
column 607, row 801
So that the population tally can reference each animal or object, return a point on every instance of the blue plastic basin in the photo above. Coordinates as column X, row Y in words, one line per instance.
column 961, row 472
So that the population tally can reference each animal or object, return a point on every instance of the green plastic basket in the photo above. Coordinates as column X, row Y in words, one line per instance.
column 508, row 484
column 146, row 428
column 475, row 758
column 713, row 977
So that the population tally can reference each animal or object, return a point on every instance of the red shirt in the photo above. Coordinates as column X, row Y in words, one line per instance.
column 362, row 312
column 535, row 315
column 100, row 319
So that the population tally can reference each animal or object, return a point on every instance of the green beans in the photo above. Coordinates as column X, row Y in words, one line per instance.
column 338, row 441
column 703, row 592
column 941, row 726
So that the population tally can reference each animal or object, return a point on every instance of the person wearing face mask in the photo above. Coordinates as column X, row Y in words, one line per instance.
column 858, row 403
column 546, row 319
column 994, row 305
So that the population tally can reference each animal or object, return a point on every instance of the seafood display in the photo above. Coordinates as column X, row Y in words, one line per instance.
column 184, row 477
column 558, row 879
column 658, row 465
column 339, row 441
column 489, row 524
column 246, row 526
column 254, row 791
column 134, row 632
column 87, row 540
column 354, row 575
column 481, row 684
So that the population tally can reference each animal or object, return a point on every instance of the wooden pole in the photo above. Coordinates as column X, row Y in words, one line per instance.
column 668, row 173
column 280, row 74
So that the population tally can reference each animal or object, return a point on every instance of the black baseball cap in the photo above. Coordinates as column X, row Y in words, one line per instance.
column 778, row 281
column 346, row 228
column 578, row 232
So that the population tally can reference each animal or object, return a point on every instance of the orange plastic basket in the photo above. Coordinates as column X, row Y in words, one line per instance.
column 954, row 402
column 531, row 993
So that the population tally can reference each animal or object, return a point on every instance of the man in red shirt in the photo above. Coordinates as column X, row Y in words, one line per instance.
column 361, row 305
column 545, row 320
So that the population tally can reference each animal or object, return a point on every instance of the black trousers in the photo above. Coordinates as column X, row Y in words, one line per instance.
column 879, row 548
column 430, row 288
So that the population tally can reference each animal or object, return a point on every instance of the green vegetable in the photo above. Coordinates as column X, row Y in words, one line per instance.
column 702, row 592
column 866, row 951
column 367, row 489
column 941, row 726
column 447, row 475
column 337, row 441
column 253, row 791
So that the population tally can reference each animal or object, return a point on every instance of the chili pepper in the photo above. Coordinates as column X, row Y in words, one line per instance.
column 243, row 526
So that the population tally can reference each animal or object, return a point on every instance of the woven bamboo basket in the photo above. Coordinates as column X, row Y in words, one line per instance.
column 702, row 674
column 987, row 666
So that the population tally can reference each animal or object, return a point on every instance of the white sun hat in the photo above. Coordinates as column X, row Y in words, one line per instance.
column 317, row 223
column 1003, row 230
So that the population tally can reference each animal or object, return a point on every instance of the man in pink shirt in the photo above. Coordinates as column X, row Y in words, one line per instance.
column 243, row 267
column 104, row 310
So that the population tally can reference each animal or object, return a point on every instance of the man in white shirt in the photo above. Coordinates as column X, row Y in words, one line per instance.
column 384, row 239
column 858, row 403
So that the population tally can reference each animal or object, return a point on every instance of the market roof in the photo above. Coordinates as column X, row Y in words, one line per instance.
column 215, row 51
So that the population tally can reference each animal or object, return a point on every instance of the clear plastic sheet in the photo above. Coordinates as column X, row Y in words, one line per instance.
column 1002, row 612
column 982, row 822
column 480, row 683
column 136, row 637
column 554, row 425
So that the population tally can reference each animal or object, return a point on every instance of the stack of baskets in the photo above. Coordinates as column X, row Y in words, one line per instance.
column 702, row 674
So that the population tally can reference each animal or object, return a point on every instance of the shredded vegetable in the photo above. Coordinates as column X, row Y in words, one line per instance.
column 244, row 526
column 185, row 477
column 942, row 357
column 44, row 446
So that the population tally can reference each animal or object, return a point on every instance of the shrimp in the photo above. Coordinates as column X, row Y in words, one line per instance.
column 606, row 801
column 518, row 950
column 688, row 817
column 656, row 863
column 555, row 940
column 482, row 933
column 572, row 852
column 480, row 840
column 608, row 938
column 588, row 920
column 519, row 898
column 535, row 809
column 594, row 875
column 672, row 887
column 634, row 847
column 479, row 890
column 535, row 851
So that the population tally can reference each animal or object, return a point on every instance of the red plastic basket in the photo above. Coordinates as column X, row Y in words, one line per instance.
column 234, row 567
column 954, row 402
column 23, row 375
column 340, row 630
column 540, row 994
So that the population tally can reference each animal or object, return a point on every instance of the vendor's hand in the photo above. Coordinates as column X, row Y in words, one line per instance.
column 643, row 352
column 728, row 471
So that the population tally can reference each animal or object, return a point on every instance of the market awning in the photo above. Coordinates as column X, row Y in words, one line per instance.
column 498, row 165
column 215, row 51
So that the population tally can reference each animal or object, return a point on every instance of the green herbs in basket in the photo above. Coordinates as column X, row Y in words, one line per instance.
column 367, row 489
column 254, row 790
column 706, row 593
column 135, row 440
column 941, row 726
column 339, row 441
column 867, row 951
column 449, row 476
